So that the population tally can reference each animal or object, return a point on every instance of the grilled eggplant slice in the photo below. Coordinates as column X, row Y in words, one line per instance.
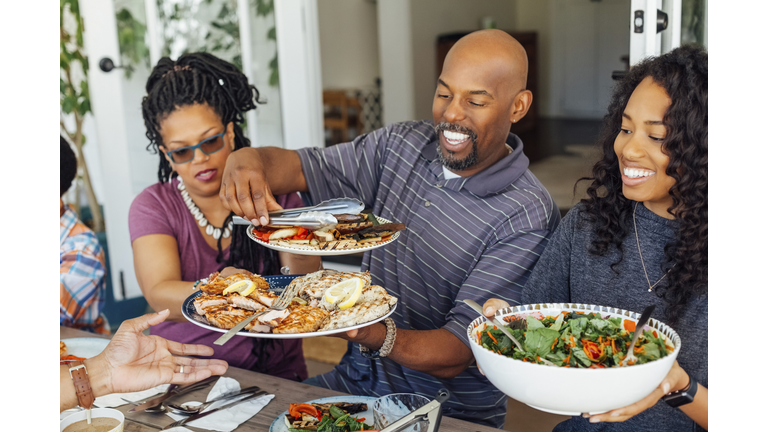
column 349, row 228
column 382, row 230
column 349, row 218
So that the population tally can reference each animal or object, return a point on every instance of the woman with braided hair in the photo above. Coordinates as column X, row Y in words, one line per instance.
column 180, row 231
column 640, row 238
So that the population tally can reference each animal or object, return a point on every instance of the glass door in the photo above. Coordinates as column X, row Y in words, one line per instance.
column 133, row 35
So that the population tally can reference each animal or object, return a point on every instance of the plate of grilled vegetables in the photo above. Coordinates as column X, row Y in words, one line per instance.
column 323, row 303
column 336, row 413
column 353, row 233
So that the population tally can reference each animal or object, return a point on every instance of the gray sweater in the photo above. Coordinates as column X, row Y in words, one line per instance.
column 567, row 272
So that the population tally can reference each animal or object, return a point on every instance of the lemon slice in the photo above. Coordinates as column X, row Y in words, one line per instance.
column 345, row 292
column 300, row 301
column 243, row 287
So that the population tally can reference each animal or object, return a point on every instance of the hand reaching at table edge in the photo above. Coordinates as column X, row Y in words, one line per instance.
column 133, row 361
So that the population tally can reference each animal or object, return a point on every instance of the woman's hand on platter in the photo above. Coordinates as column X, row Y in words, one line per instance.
column 229, row 271
column 675, row 380
column 492, row 305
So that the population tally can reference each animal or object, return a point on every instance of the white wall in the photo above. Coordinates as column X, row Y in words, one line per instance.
column 430, row 18
column 580, row 43
column 349, row 43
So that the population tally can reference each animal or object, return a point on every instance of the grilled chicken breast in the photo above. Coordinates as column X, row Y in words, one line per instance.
column 225, row 316
column 373, row 303
column 245, row 303
column 273, row 318
column 316, row 289
column 302, row 319
column 205, row 301
column 216, row 284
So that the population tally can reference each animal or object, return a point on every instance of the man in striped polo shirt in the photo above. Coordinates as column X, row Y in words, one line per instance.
column 477, row 221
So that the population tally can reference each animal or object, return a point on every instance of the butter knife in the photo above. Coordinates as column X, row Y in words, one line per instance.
column 203, row 414
column 173, row 391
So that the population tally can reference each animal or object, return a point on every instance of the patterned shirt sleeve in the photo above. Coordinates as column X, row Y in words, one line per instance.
column 82, row 283
column 351, row 169
column 501, row 272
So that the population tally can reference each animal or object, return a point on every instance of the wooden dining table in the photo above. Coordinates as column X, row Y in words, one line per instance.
column 286, row 392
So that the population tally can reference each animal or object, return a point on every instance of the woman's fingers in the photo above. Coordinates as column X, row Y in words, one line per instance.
column 180, row 349
column 139, row 324
column 492, row 305
column 622, row 414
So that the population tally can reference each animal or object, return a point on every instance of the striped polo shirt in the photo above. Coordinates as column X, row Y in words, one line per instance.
column 469, row 237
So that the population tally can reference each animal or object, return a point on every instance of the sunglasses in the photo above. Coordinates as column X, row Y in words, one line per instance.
column 208, row 146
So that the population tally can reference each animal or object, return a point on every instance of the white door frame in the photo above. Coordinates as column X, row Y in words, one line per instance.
column 108, row 113
column 301, row 94
column 301, row 99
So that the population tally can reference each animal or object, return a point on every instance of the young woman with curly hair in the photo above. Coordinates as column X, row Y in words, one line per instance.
column 180, row 231
column 640, row 238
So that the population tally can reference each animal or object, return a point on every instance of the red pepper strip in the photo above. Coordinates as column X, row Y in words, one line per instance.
column 361, row 419
column 494, row 339
column 296, row 410
column 303, row 231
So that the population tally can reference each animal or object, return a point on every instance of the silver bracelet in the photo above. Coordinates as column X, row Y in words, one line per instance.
column 386, row 347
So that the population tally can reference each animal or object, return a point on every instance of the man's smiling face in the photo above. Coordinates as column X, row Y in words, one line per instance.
column 474, row 105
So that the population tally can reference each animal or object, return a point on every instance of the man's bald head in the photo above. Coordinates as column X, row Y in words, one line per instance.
column 480, row 93
column 499, row 50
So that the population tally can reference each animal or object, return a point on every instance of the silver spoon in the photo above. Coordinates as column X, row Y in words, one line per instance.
column 495, row 322
column 184, row 409
column 644, row 317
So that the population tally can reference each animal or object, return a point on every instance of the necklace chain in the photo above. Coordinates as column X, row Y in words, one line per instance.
column 200, row 217
column 637, row 237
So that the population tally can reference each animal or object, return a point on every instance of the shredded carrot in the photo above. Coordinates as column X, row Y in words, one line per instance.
column 600, row 339
column 553, row 345
column 613, row 345
column 494, row 339
column 525, row 359
column 573, row 341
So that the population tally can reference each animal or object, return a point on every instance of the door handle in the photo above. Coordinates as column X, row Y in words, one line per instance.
column 107, row 65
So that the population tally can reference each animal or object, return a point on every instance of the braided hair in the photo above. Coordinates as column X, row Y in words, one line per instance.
column 202, row 78
column 683, row 75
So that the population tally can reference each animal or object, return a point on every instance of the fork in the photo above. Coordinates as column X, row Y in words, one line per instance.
column 225, row 406
column 280, row 304
column 644, row 317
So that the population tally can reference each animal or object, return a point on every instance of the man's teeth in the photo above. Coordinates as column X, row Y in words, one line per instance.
column 454, row 137
column 637, row 173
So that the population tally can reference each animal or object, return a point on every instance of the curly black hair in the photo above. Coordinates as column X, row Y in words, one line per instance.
column 683, row 75
column 202, row 78
column 67, row 166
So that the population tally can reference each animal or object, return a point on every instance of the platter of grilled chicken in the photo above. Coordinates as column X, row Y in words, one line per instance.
column 309, row 313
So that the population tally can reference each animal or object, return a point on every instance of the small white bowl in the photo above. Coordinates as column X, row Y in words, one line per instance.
column 571, row 391
column 95, row 413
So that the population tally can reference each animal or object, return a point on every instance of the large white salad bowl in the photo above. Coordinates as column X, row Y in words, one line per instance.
column 571, row 391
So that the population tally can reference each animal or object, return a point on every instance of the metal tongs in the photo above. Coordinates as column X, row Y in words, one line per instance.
column 432, row 413
column 315, row 216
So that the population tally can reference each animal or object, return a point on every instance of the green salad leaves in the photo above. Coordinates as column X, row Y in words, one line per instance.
column 338, row 421
column 573, row 339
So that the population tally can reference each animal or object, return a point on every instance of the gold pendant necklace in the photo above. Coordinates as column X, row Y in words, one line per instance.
column 637, row 237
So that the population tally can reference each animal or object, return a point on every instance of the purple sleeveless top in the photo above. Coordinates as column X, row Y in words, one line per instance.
column 159, row 209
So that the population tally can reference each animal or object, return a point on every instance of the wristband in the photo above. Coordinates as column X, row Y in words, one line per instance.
column 386, row 347
column 683, row 396
column 82, row 384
